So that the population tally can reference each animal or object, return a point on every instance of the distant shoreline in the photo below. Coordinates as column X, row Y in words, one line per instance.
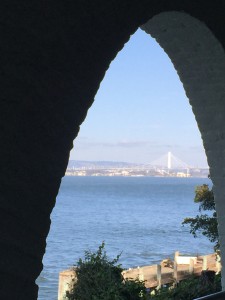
column 103, row 168
column 135, row 176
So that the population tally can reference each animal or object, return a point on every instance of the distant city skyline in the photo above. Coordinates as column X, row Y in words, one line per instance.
column 140, row 112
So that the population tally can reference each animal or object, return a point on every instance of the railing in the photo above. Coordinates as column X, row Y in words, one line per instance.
column 216, row 296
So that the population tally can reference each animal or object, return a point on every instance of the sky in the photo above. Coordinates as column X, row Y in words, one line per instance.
column 140, row 111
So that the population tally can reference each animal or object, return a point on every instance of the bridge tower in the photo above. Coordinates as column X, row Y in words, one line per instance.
column 169, row 164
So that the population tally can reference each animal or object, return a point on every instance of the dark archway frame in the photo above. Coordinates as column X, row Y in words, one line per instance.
column 53, row 57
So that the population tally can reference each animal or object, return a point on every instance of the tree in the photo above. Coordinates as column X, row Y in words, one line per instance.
column 204, row 223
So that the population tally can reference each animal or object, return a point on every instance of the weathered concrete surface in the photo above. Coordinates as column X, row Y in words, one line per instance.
column 66, row 278
column 149, row 273
column 53, row 56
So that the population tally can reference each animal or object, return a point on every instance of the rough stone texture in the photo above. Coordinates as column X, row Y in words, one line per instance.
column 53, row 56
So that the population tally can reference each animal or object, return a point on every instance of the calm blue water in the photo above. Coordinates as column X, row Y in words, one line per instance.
column 140, row 216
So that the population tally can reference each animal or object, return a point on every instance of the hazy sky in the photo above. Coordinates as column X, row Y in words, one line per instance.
column 140, row 111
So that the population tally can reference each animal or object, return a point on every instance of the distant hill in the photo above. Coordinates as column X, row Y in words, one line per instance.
column 99, row 164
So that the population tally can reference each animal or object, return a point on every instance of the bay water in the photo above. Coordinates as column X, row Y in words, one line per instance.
column 138, row 216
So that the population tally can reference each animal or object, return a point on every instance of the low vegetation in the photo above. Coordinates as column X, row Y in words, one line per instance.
column 189, row 289
column 99, row 278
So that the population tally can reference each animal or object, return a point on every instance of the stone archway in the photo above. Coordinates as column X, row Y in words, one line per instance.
column 53, row 58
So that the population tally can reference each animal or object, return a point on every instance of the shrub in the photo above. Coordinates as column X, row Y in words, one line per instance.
column 98, row 278
column 189, row 289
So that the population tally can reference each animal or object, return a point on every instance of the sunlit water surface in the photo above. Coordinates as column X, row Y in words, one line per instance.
column 140, row 216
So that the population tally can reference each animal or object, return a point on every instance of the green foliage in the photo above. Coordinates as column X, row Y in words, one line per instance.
column 205, row 197
column 134, row 290
column 98, row 278
column 190, row 289
column 204, row 223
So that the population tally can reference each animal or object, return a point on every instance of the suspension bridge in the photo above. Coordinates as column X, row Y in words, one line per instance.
column 168, row 162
